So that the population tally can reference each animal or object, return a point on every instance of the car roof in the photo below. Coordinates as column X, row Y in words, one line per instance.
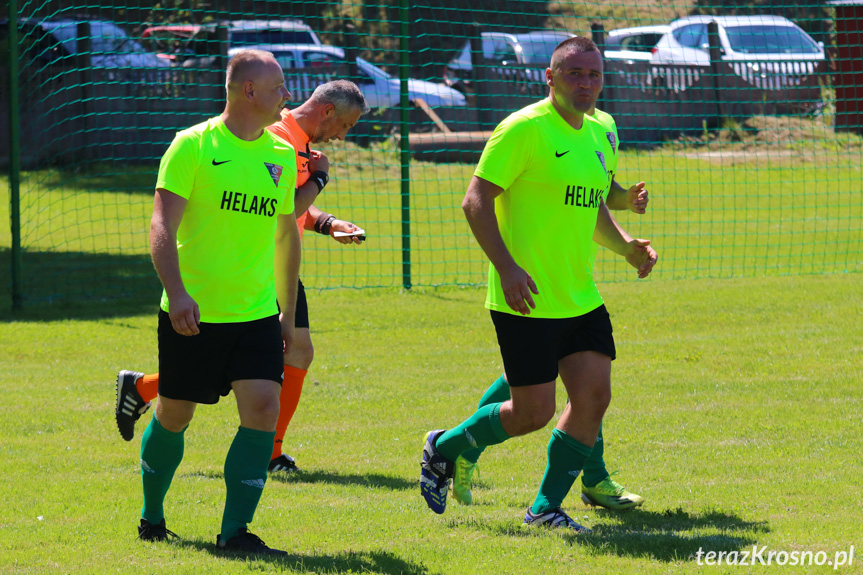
column 234, row 25
column 291, row 47
column 734, row 20
column 285, row 24
column 190, row 28
column 532, row 35
column 54, row 22
column 658, row 29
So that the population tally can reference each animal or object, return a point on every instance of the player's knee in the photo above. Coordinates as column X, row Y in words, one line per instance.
column 173, row 416
column 533, row 419
column 301, row 354
column 173, row 421
column 262, row 415
column 600, row 396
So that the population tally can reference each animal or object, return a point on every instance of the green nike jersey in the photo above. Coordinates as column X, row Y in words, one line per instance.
column 610, row 127
column 235, row 191
column 554, row 178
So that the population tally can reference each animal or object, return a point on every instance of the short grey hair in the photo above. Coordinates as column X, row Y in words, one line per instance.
column 343, row 95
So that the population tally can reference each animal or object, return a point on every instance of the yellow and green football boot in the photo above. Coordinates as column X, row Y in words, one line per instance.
column 610, row 494
column 461, row 480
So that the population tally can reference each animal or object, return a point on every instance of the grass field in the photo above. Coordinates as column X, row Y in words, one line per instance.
column 737, row 413
column 738, row 410
column 782, row 201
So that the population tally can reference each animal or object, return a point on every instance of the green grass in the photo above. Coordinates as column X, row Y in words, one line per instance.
column 717, row 210
column 737, row 413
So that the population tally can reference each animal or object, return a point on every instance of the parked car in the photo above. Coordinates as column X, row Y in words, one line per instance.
column 633, row 43
column 501, row 50
column 741, row 38
column 54, row 41
column 308, row 65
column 181, row 42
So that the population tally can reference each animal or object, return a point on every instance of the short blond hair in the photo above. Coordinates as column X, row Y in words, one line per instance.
column 245, row 64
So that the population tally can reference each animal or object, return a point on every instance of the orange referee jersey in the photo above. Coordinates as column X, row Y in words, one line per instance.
column 288, row 130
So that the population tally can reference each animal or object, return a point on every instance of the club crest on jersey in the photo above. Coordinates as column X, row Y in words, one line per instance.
column 275, row 172
column 601, row 157
column 612, row 140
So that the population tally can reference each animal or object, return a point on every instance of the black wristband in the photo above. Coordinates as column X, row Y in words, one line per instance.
column 325, row 227
column 320, row 178
column 320, row 221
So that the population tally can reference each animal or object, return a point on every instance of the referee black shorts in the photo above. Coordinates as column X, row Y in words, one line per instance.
column 532, row 347
column 301, row 317
column 201, row 367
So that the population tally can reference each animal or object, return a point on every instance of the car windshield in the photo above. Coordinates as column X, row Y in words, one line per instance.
column 640, row 42
column 539, row 50
column 372, row 70
column 254, row 37
column 770, row 40
column 104, row 37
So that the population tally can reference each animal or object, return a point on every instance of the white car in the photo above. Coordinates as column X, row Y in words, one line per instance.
column 633, row 43
column 300, row 61
column 741, row 38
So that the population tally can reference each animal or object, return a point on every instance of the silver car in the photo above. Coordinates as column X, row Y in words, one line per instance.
column 308, row 65
column 501, row 51
column 56, row 41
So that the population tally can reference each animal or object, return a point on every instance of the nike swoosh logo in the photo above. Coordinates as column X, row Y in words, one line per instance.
column 563, row 154
column 215, row 163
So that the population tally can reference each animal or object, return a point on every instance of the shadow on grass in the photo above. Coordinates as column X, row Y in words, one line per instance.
column 347, row 562
column 374, row 480
column 671, row 535
column 77, row 285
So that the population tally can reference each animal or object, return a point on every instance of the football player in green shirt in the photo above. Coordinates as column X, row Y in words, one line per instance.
column 597, row 485
column 225, row 245
column 536, row 206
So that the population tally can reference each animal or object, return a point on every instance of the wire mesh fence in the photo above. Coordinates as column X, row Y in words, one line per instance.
column 744, row 119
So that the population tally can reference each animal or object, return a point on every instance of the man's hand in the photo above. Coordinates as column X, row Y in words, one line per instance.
column 185, row 315
column 517, row 286
column 318, row 161
column 346, row 227
column 641, row 256
column 636, row 198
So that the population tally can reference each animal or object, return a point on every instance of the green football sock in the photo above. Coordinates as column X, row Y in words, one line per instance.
column 594, row 467
column 497, row 393
column 161, row 453
column 245, row 477
column 479, row 430
column 566, row 457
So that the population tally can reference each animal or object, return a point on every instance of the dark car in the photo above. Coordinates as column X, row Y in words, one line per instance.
column 501, row 50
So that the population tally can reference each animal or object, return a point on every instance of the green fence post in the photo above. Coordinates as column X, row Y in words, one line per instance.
column 404, row 120
column 14, row 157
column 597, row 32
column 716, row 69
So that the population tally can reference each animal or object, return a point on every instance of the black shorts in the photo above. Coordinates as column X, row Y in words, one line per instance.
column 532, row 347
column 201, row 367
column 301, row 316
